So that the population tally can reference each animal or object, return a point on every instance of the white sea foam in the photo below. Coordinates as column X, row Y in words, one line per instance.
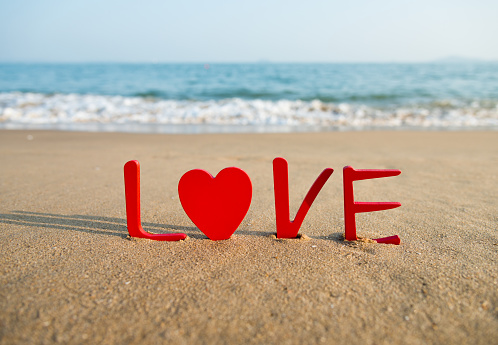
column 98, row 112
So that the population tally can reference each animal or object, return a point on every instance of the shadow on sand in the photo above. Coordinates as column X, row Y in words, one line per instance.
column 101, row 225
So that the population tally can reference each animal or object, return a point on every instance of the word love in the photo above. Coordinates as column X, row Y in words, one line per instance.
column 217, row 205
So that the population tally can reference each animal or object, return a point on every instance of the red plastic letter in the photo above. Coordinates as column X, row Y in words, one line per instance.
column 218, row 205
column 285, row 227
column 351, row 207
column 132, row 192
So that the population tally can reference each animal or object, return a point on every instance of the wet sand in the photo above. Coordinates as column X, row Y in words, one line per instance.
column 69, row 274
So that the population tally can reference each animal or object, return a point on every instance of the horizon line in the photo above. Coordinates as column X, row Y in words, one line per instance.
column 449, row 59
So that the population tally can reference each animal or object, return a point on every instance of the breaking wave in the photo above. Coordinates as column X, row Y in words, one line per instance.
column 146, row 113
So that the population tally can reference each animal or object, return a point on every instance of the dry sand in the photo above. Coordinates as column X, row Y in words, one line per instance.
column 68, row 273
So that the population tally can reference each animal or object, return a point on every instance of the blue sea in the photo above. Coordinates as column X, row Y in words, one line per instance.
column 255, row 97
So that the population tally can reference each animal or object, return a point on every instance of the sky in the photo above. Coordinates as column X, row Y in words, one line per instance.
column 247, row 31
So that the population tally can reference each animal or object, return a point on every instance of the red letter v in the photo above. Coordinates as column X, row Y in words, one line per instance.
column 132, row 192
column 285, row 227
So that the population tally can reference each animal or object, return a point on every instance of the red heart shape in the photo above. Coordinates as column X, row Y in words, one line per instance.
column 218, row 205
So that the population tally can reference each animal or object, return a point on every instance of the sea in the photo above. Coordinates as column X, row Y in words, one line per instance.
column 248, row 97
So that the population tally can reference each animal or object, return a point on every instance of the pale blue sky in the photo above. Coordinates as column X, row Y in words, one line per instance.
column 245, row 31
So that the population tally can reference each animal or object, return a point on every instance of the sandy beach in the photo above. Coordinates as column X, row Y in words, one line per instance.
column 70, row 275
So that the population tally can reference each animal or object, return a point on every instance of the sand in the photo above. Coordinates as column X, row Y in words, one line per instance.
column 69, row 274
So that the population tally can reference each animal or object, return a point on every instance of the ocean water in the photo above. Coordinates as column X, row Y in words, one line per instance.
column 259, row 97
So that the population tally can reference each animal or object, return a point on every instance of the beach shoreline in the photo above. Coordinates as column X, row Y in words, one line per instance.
column 71, row 275
column 186, row 129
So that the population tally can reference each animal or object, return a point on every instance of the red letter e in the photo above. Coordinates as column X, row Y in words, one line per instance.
column 351, row 207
